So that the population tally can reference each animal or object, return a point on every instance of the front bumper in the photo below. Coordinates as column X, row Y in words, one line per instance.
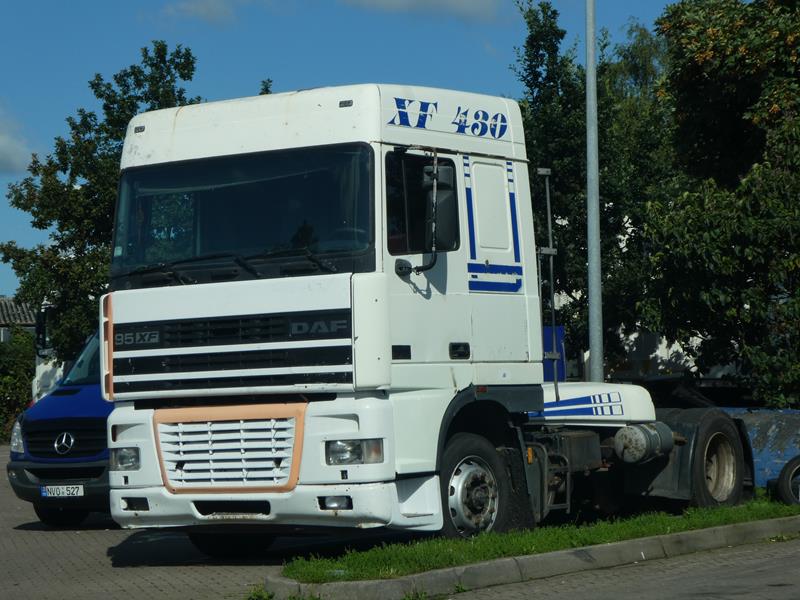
column 372, row 507
column 27, row 479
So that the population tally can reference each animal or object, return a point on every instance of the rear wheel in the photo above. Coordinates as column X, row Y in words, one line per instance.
column 57, row 516
column 718, row 462
column 231, row 545
column 476, row 489
column 788, row 488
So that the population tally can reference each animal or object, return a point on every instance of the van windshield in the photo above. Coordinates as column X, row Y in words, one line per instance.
column 86, row 370
column 253, row 210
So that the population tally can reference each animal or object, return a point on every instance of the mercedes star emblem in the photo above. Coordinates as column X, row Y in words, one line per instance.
column 64, row 442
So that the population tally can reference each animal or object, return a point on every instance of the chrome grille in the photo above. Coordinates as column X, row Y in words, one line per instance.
column 242, row 453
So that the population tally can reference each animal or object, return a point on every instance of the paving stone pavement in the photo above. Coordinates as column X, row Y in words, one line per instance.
column 101, row 561
column 767, row 571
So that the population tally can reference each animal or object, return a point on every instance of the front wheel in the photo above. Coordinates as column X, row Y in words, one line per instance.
column 476, row 489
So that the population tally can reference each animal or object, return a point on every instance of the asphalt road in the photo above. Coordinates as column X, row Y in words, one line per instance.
column 101, row 561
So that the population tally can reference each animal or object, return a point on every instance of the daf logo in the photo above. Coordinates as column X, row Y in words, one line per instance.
column 302, row 328
column 64, row 442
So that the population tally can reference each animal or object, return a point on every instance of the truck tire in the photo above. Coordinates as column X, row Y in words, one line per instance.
column 476, row 489
column 718, row 462
column 231, row 545
column 57, row 516
column 788, row 488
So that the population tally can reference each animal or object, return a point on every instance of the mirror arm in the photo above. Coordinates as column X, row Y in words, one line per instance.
column 430, row 264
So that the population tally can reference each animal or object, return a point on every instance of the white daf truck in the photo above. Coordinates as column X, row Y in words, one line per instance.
column 325, row 313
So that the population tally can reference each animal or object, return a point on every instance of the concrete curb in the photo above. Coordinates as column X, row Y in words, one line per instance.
column 537, row 566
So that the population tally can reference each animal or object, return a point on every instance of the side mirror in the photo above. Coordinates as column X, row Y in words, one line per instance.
column 446, row 222
column 43, row 318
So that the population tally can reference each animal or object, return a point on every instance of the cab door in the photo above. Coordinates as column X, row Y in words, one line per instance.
column 496, row 284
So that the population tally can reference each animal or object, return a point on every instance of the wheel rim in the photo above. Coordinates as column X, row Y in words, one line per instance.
column 794, row 484
column 720, row 463
column 472, row 496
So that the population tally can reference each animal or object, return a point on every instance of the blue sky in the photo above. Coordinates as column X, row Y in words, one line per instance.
column 51, row 48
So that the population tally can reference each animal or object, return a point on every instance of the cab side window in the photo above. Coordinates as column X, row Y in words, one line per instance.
column 408, row 202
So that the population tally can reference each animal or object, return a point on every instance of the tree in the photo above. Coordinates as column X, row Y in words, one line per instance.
column 73, row 190
column 17, row 359
column 635, row 155
column 726, row 257
column 734, row 71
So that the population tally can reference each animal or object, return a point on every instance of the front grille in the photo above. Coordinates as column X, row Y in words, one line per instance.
column 243, row 329
column 88, row 435
column 68, row 473
column 251, row 453
column 303, row 348
column 224, row 361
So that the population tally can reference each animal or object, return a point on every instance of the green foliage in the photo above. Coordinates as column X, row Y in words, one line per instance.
column 726, row 248
column 734, row 71
column 17, row 366
column 266, row 87
column 72, row 193
column 635, row 155
column 397, row 560
column 728, row 265
column 259, row 593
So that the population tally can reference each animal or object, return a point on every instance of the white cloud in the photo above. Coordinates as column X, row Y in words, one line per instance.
column 468, row 9
column 14, row 151
column 218, row 12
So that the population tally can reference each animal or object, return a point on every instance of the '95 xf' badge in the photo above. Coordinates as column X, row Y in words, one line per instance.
column 137, row 338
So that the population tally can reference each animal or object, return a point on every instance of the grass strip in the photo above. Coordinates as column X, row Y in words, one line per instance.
column 395, row 560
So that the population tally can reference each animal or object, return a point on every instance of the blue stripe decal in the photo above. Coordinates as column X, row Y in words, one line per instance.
column 608, row 404
column 470, row 215
column 513, row 201
column 494, row 269
column 514, row 226
column 471, row 222
column 572, row 412
column 495, row 286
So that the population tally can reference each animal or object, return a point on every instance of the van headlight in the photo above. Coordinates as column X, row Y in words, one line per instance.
column 16, row 438
column 354, row 452
column 124, row 459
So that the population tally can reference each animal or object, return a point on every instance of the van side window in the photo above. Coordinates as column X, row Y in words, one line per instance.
column 408, row 202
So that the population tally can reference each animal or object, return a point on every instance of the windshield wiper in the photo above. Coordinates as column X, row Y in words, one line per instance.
column 303, row 251
column 163, row 267
column 168, row 267
column 240, row 261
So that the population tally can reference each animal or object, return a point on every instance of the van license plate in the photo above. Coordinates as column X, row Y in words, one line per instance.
column 61, row 491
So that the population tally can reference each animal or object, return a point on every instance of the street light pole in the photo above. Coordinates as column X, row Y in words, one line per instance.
column 593, row 205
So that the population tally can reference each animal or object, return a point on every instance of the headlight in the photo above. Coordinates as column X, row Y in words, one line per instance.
column 354, row 452
column 124, row 459
column 16, row 438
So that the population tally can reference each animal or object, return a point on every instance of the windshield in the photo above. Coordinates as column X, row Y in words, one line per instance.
column 86, row 369
column 277, row 207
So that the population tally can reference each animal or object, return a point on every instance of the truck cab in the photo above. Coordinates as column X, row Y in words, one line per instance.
column 324, row 304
